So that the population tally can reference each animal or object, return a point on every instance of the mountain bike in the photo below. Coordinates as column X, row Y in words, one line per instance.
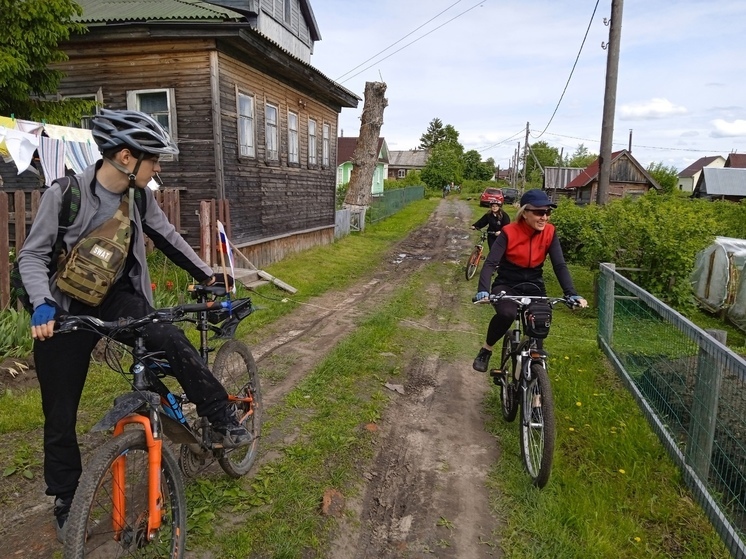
column 524, row 381
column 476, row 255
column 130, row 500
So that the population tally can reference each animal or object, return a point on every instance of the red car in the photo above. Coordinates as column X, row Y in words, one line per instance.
column 491, row 195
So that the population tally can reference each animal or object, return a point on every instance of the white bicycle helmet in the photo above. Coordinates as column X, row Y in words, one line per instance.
column 113, row 129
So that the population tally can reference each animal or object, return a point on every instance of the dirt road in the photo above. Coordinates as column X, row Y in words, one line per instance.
column 425, row 493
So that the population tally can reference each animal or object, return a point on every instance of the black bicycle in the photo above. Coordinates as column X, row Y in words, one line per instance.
column 130, row 500
column 524, row 381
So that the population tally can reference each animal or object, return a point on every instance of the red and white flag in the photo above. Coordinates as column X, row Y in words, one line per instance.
column 225, row 248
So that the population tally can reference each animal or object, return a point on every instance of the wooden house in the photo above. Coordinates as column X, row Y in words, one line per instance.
column 556, row 179
column 345, row 149
column 726, row 183
column 401, row 163
column 255, row 122
column 626, row 178
column 687, row 179
column 737, row 160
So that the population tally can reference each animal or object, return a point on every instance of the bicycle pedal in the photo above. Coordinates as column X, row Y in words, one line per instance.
column 498, row 376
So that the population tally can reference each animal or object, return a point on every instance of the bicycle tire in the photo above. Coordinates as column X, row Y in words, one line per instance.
column 473, row 264
column 90, row 532
column 236, row 370
column 538, row 426
column 508, row 393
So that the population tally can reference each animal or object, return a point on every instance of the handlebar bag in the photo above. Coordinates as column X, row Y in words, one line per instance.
column 537, row 318
column 98, row 258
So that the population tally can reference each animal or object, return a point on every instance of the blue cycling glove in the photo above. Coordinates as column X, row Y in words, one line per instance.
column 43, row 314
column 576, row 299
column 481, row 295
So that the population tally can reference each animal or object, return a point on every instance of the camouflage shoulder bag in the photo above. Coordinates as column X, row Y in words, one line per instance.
column 95, row 262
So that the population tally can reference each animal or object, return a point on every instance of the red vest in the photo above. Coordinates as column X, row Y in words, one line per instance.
column 527, row 247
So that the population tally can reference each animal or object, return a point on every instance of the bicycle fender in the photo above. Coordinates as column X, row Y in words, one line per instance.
column 124, row 405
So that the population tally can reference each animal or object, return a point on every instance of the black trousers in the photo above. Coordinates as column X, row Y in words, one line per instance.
column 505, row 310
column 62, row 366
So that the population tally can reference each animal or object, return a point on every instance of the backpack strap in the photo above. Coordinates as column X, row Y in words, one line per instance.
column 68, row 212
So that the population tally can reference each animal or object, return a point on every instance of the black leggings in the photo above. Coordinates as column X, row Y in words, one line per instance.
column 62, row 365
column 505, row 310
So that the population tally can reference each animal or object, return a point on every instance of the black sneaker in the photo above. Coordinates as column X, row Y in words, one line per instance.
column 233, row 434
column 482, row 362
column 61, row 512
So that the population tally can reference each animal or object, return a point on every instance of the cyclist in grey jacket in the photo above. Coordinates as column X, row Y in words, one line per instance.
column 131, row 144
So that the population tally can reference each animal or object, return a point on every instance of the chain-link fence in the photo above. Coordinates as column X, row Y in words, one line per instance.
column 391, row 201
column 691, row 388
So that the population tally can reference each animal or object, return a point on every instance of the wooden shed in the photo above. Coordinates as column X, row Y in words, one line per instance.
column 255, row 122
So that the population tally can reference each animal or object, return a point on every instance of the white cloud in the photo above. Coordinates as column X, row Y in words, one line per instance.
column 725, row 129
column 648, row 110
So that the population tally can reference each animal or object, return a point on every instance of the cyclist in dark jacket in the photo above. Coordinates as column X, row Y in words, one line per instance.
column 520, row 252
column 131, row 144
column 495, row 220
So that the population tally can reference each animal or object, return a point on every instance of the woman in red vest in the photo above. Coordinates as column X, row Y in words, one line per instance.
column 520, row 252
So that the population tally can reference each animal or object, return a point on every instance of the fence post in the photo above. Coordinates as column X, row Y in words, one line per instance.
column 704, row 409
column 607, row 301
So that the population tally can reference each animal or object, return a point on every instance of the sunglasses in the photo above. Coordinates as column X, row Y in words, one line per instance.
column 541, row 212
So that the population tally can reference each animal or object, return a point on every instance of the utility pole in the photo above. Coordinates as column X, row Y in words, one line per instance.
column 629, row 149
column 607, row 126
column 525, row 158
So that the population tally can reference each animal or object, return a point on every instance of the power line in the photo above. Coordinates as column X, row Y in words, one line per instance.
column 521, row 131
column 399, row 41
column 636, row 145
column 571, row 73
column 412, row 42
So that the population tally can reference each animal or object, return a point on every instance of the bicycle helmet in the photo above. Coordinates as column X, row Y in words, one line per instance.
column 113, row 129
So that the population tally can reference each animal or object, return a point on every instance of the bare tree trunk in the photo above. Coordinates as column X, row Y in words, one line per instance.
column 365, row 156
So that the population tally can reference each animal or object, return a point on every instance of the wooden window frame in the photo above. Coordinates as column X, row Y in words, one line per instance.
column 249, row 147
column 293, row 139
column 133, row 104
column 271, row 130
column 326, row 132
column 313, row 156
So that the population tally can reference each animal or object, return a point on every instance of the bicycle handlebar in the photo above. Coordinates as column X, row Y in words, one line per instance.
column 525, row 300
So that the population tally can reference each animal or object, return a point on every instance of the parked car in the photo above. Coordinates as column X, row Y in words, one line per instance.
column 491, row 195
column 511, row 195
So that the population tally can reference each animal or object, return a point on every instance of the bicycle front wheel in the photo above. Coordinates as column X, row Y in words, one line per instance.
column 100, row 529
column 538, row 426
column 473, row 264
column 236, row 370
column 508, row 394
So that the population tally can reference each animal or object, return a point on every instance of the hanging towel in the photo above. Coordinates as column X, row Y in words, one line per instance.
column 6, row 122
column 21, row 147
column 80, row 155
column 29, row 126
column 68, row 134
column 52, row 158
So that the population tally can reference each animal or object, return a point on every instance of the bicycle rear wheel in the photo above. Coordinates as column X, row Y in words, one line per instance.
column 236, row 370
column 473, row 264
column 508, row 394
column 538, row 426
column 90, row 530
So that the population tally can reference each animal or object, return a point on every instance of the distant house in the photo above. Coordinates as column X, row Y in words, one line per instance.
column 232, row 81
column 626, row 178
column 345, row 149
column 401, row 163
column 688, row 177
column 726, row 183
column 556, row 180
column 737, row 160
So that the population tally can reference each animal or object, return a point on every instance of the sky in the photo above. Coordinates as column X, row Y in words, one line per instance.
column 487, row 68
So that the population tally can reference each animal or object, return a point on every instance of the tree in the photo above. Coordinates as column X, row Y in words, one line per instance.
column 443, row 166
column 581, row 157
column 32, row 30
column 433, row 135
column 666, row 177
column 474, row 168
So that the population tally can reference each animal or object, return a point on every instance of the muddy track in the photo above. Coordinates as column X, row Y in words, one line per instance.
column 425, row 494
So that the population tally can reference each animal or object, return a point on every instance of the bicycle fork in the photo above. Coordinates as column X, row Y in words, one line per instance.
column 154, row 442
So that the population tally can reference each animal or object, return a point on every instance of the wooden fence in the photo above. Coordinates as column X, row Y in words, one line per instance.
column 21, row 207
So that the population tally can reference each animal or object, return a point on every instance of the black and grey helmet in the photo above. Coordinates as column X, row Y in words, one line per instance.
column 113, row 129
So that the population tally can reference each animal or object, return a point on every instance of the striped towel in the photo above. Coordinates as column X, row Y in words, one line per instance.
column 52, row 158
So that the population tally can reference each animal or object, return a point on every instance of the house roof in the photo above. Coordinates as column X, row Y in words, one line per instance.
column 591, row 172
column 346, row 146
column 697, row 166
column 725, row 181
column 560, row 177
column 736, row 160
column 408, row 158
column 104, row 11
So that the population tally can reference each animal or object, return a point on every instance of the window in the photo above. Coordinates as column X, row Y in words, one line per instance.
column 246, row 145
column 325, row 146
column 85, row 121
column 311, row 142
column 287, row 11
column 293, row 138
column 158, row 103
column 401, row 173
column 270, row 126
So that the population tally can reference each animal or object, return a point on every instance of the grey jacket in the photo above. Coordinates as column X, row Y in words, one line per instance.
column 34, row 256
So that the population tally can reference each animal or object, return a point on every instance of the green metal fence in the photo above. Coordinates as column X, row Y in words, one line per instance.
column 392, row 201
column 691, row 388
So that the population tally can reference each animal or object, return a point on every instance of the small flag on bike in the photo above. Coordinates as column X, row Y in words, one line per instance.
column 225, row 248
